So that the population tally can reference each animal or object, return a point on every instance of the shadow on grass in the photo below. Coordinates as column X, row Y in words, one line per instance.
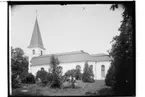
column 102, row 92
column 71, row 87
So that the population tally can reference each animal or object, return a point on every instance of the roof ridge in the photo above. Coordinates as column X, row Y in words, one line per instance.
column 64, row 53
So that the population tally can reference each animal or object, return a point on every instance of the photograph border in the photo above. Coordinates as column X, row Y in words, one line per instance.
column 63, row 3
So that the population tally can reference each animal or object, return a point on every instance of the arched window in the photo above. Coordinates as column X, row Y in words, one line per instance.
column 78, row 67
column 33, row 51
column 41, row 53
column 103, row 71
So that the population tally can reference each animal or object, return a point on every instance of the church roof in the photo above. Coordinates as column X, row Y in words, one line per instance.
column 36, row 40
column 69, row 57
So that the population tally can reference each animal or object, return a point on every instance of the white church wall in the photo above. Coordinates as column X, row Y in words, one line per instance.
column 65, row 66
column 31, row 55
column 98, row 69
column 69, row 66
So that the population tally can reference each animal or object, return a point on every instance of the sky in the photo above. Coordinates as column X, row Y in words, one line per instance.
column 68, row 28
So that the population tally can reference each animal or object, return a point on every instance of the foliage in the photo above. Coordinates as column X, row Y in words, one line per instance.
column 78, row 74
column 70, row 73
column 43, row 75
column 122, row 72
column 110, row 80
column 75, row 73
column 29, row 79
column 49, row 77
column 56, row 82
column 59, row 71
column 19, row 61
column 91, row 71
column 88, row 73
column 16, row 81
column 19, row 64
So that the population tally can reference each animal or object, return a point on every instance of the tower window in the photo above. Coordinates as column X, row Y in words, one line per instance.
column 33, row 51
column 103, row 71
column 41, row 53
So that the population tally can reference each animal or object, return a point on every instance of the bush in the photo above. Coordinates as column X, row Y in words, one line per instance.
column 30, row 78
column 43, row 75
column 56, row 83
column 49, row 77
column 16, row 82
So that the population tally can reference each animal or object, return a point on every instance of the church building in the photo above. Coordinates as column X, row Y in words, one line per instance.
column 68, row 60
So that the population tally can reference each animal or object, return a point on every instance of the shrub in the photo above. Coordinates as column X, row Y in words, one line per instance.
column 16, row 84
column 16, row 81
column 43, row 75
column 30, row 78
column 49, row 77
column 56, row 83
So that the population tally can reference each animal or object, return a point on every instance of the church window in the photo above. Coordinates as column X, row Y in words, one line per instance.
column 33, row 51
column 103, row 71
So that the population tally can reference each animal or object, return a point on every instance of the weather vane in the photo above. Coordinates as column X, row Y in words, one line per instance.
column 36, row 12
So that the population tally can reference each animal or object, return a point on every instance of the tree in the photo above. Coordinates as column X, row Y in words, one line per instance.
column 121, row 72
column 91, row 72
column 110, row 77
column 56, row 78
column 59, row 71
column 71, row 73
column 19, row 64
column 86, row 74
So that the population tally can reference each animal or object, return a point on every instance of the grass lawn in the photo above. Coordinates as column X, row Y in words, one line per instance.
column 35, row 90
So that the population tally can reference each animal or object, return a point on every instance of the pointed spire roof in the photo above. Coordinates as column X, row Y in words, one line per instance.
column 36, row 40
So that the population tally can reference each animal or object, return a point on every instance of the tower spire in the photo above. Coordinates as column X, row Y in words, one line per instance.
column 36, row 40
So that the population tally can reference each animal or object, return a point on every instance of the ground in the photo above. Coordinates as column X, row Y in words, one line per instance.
column 34, row 89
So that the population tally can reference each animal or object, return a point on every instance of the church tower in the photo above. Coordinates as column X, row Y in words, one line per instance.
column 36, row 47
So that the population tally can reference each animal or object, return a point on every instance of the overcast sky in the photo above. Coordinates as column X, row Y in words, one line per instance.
column 66, row 28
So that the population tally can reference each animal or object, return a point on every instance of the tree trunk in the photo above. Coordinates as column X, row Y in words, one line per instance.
column 73, row 86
